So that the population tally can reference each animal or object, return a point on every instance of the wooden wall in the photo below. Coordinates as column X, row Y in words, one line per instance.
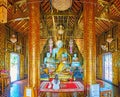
column 6, row 47
column 114, row 48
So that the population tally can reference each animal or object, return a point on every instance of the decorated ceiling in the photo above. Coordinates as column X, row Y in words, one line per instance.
column 54, row 13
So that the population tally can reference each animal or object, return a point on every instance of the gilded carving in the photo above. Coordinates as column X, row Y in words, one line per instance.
column 2, row 45
column 9, row 46
column 115, row 62
column 7, row 60
column 113, row 45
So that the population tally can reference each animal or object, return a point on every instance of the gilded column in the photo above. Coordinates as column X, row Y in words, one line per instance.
column 33, row 45
column 89, row 42
column 21, row 66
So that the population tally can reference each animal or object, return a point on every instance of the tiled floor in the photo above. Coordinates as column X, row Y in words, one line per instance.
column 16, row 90
column 115, row 90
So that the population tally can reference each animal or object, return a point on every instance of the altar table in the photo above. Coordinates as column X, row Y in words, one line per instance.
column 4, row 81
column 72, row 86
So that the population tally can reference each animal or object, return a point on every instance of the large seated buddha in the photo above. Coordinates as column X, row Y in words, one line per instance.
column 58, row 51
column 61, row 56
column 62, row 59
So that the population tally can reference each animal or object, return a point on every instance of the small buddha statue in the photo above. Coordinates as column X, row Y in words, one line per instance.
column 44, row 72
column 77, row 74
column 49, row 61
column 75, row 61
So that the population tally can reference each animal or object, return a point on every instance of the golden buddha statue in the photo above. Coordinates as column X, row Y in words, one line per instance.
column 57, row 52
column 62, row 59
column 64, row 64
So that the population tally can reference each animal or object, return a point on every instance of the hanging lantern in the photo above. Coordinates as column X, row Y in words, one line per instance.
column 104, row 47
column 61, row 4
column 3, row 11
column 13, row 38
column 71, row 45
column 109, row 38
column 50, row 44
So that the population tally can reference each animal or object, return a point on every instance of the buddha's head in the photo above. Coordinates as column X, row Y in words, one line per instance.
column 75, row 55
column 59, row 44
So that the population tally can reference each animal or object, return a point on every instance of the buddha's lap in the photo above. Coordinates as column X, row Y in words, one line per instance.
column 75, row 64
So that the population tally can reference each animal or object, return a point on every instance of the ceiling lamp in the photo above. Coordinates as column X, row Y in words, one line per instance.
column 13, row 38
column 109, row 39
column 104, row 47
column 18, row 47
column 71, row 46
column 50, row 44
column 61, row 4
column 3, row 11
column 61, row 31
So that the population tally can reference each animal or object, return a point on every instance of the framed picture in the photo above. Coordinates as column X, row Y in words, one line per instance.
column 9, row 46
column 118, row 44
column 18, row 47
column 113, row 46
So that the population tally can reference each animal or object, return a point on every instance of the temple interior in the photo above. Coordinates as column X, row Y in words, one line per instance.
column 77, row 40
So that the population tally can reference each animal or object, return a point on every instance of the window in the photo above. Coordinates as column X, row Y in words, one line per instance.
column 107, row 67
column 14, row 66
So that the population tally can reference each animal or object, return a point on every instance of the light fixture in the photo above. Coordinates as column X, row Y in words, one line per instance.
column 104, row 47
column 109, row 38
column 13, row 38
column 18, row 47
column 61, row 31
column 61, row 4
column 71, row 45
column 3, row 11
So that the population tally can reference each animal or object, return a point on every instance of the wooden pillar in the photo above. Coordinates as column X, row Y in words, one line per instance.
column 89, row 42
column 33, row 45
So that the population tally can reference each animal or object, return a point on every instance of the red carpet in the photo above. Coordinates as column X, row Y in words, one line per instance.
column 74, row 86
column 65, row 85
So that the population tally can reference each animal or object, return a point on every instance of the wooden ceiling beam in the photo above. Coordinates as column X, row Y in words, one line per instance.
column 106, row 7
column 20, row 2
column 116, row 9
column 76, row 6
column 19, row 19
column 60, row 14
column 17, row 24
column 98, row 27
column 109, row 18
column 22, row 25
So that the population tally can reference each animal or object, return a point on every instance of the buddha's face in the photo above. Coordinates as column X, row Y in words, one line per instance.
column 48, row 54
column 59, row 44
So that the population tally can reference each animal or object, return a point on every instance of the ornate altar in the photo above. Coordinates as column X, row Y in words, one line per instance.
column 59, row 61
